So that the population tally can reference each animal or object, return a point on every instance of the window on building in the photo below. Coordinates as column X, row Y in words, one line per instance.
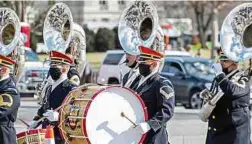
column 105, row 19
column 103, row 4
column 121, row 4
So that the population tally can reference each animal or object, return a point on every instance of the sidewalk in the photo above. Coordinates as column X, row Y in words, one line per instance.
column 29, row 104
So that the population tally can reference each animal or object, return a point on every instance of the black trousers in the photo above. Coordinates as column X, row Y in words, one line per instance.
column 59, row 141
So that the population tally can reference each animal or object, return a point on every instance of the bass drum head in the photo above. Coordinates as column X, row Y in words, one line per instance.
column 104, row 123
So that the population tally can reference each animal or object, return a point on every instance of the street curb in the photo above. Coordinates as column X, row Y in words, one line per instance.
column 30, row 99
column 29, row 107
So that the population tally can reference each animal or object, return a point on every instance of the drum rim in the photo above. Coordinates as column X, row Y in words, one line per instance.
column 30, row 132
column 60, row 119
column 98, row 92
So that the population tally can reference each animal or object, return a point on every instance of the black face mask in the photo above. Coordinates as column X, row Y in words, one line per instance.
column 55, row 73
column 144, row 69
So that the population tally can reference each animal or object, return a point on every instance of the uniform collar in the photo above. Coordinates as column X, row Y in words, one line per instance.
column 143, row 79
column 133, row 74
column 134, row 70
column 62, row 78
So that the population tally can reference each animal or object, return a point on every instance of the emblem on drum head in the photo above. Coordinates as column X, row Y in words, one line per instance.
column 74, row 111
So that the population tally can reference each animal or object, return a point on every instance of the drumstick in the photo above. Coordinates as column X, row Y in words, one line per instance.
column 23, row 122
column 58, row 108
column 123, row 115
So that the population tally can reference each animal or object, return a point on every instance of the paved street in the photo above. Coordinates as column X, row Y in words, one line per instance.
column 184, row 128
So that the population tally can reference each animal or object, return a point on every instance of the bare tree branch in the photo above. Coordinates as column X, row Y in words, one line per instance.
column 204, row 14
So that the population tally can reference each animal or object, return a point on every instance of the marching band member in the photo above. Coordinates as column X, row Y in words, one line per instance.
column 9, row 102
column 55, row 93
column 157, row 93
column 229, row 122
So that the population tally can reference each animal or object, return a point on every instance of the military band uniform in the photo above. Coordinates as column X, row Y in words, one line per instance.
column 157, row 93
column 9, row 104
column 56, row 92
column 52, row 100
column 158, row 96
column 229, row 122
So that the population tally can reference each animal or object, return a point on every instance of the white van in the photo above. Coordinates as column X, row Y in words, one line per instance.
column 112, row 68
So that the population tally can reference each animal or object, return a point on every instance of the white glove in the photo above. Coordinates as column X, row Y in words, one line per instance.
column 51, row 115
column 143, row 127
column 32, row 125
column 217, row 68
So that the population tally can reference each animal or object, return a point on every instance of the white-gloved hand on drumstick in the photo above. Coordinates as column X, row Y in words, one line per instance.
column 143, row 127
column 32, row 125
column 51, row 115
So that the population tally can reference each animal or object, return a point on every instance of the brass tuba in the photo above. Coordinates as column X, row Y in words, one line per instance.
column 77, row 48
column 10, row 39
column 57, row 32
column 57, row 29
column 10, row 29
column 18, row 54
column 138, row 25
column 235, row 34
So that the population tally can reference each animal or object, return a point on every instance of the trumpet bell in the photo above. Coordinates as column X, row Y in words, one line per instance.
column 9, row 30
column 137, row 26
column 236, row 33
column 57, row 29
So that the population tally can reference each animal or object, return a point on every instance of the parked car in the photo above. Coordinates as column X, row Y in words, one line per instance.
column 33, row 73
column 189, row 76
column 112, row 68
column 88, row 75
column 176, row 53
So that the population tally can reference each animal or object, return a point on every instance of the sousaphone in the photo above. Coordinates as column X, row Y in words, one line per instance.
column 57, row 29
column 138, row 25
column 236, row 33
column 10, row 40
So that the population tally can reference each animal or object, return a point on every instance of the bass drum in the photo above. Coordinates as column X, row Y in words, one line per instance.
column 35, row 136
column 93, row 114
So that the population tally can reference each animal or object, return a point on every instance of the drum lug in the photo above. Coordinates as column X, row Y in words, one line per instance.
column 75, row 117
column 80, row 99
column 74, row 136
